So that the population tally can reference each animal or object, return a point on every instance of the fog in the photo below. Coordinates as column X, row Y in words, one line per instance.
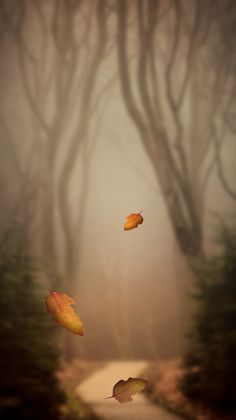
column 74, row 165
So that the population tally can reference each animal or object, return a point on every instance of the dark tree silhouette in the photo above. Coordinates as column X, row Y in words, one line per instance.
column 165, row 91
column 59, row 82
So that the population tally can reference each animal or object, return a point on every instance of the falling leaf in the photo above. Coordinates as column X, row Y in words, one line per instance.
column 133, row 220
column 59, row 305
column 123, row 390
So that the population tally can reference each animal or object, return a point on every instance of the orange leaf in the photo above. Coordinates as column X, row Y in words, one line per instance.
column 59, row 305
column 123, row 390
column 133, row 220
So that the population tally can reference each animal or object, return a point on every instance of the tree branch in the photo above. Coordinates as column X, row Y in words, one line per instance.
column 81, row 133
column 220, row 168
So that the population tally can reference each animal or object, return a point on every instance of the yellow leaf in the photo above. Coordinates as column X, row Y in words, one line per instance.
column 133, row 220
column 59, row 305
column 123, row 390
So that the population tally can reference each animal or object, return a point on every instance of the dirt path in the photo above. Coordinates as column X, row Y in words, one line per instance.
column 99, row 385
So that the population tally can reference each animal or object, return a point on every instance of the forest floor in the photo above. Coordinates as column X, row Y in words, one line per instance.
column 70, row 375
column 99, row 385
column 88, row 382
column 164, row 377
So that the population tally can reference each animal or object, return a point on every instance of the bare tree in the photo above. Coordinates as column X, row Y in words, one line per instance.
column 165, row 91
column 59, row 82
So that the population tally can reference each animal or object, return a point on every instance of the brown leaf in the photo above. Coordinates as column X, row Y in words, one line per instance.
column 123, row 390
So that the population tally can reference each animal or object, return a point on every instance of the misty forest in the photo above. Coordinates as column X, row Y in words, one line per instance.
column 118, row 193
